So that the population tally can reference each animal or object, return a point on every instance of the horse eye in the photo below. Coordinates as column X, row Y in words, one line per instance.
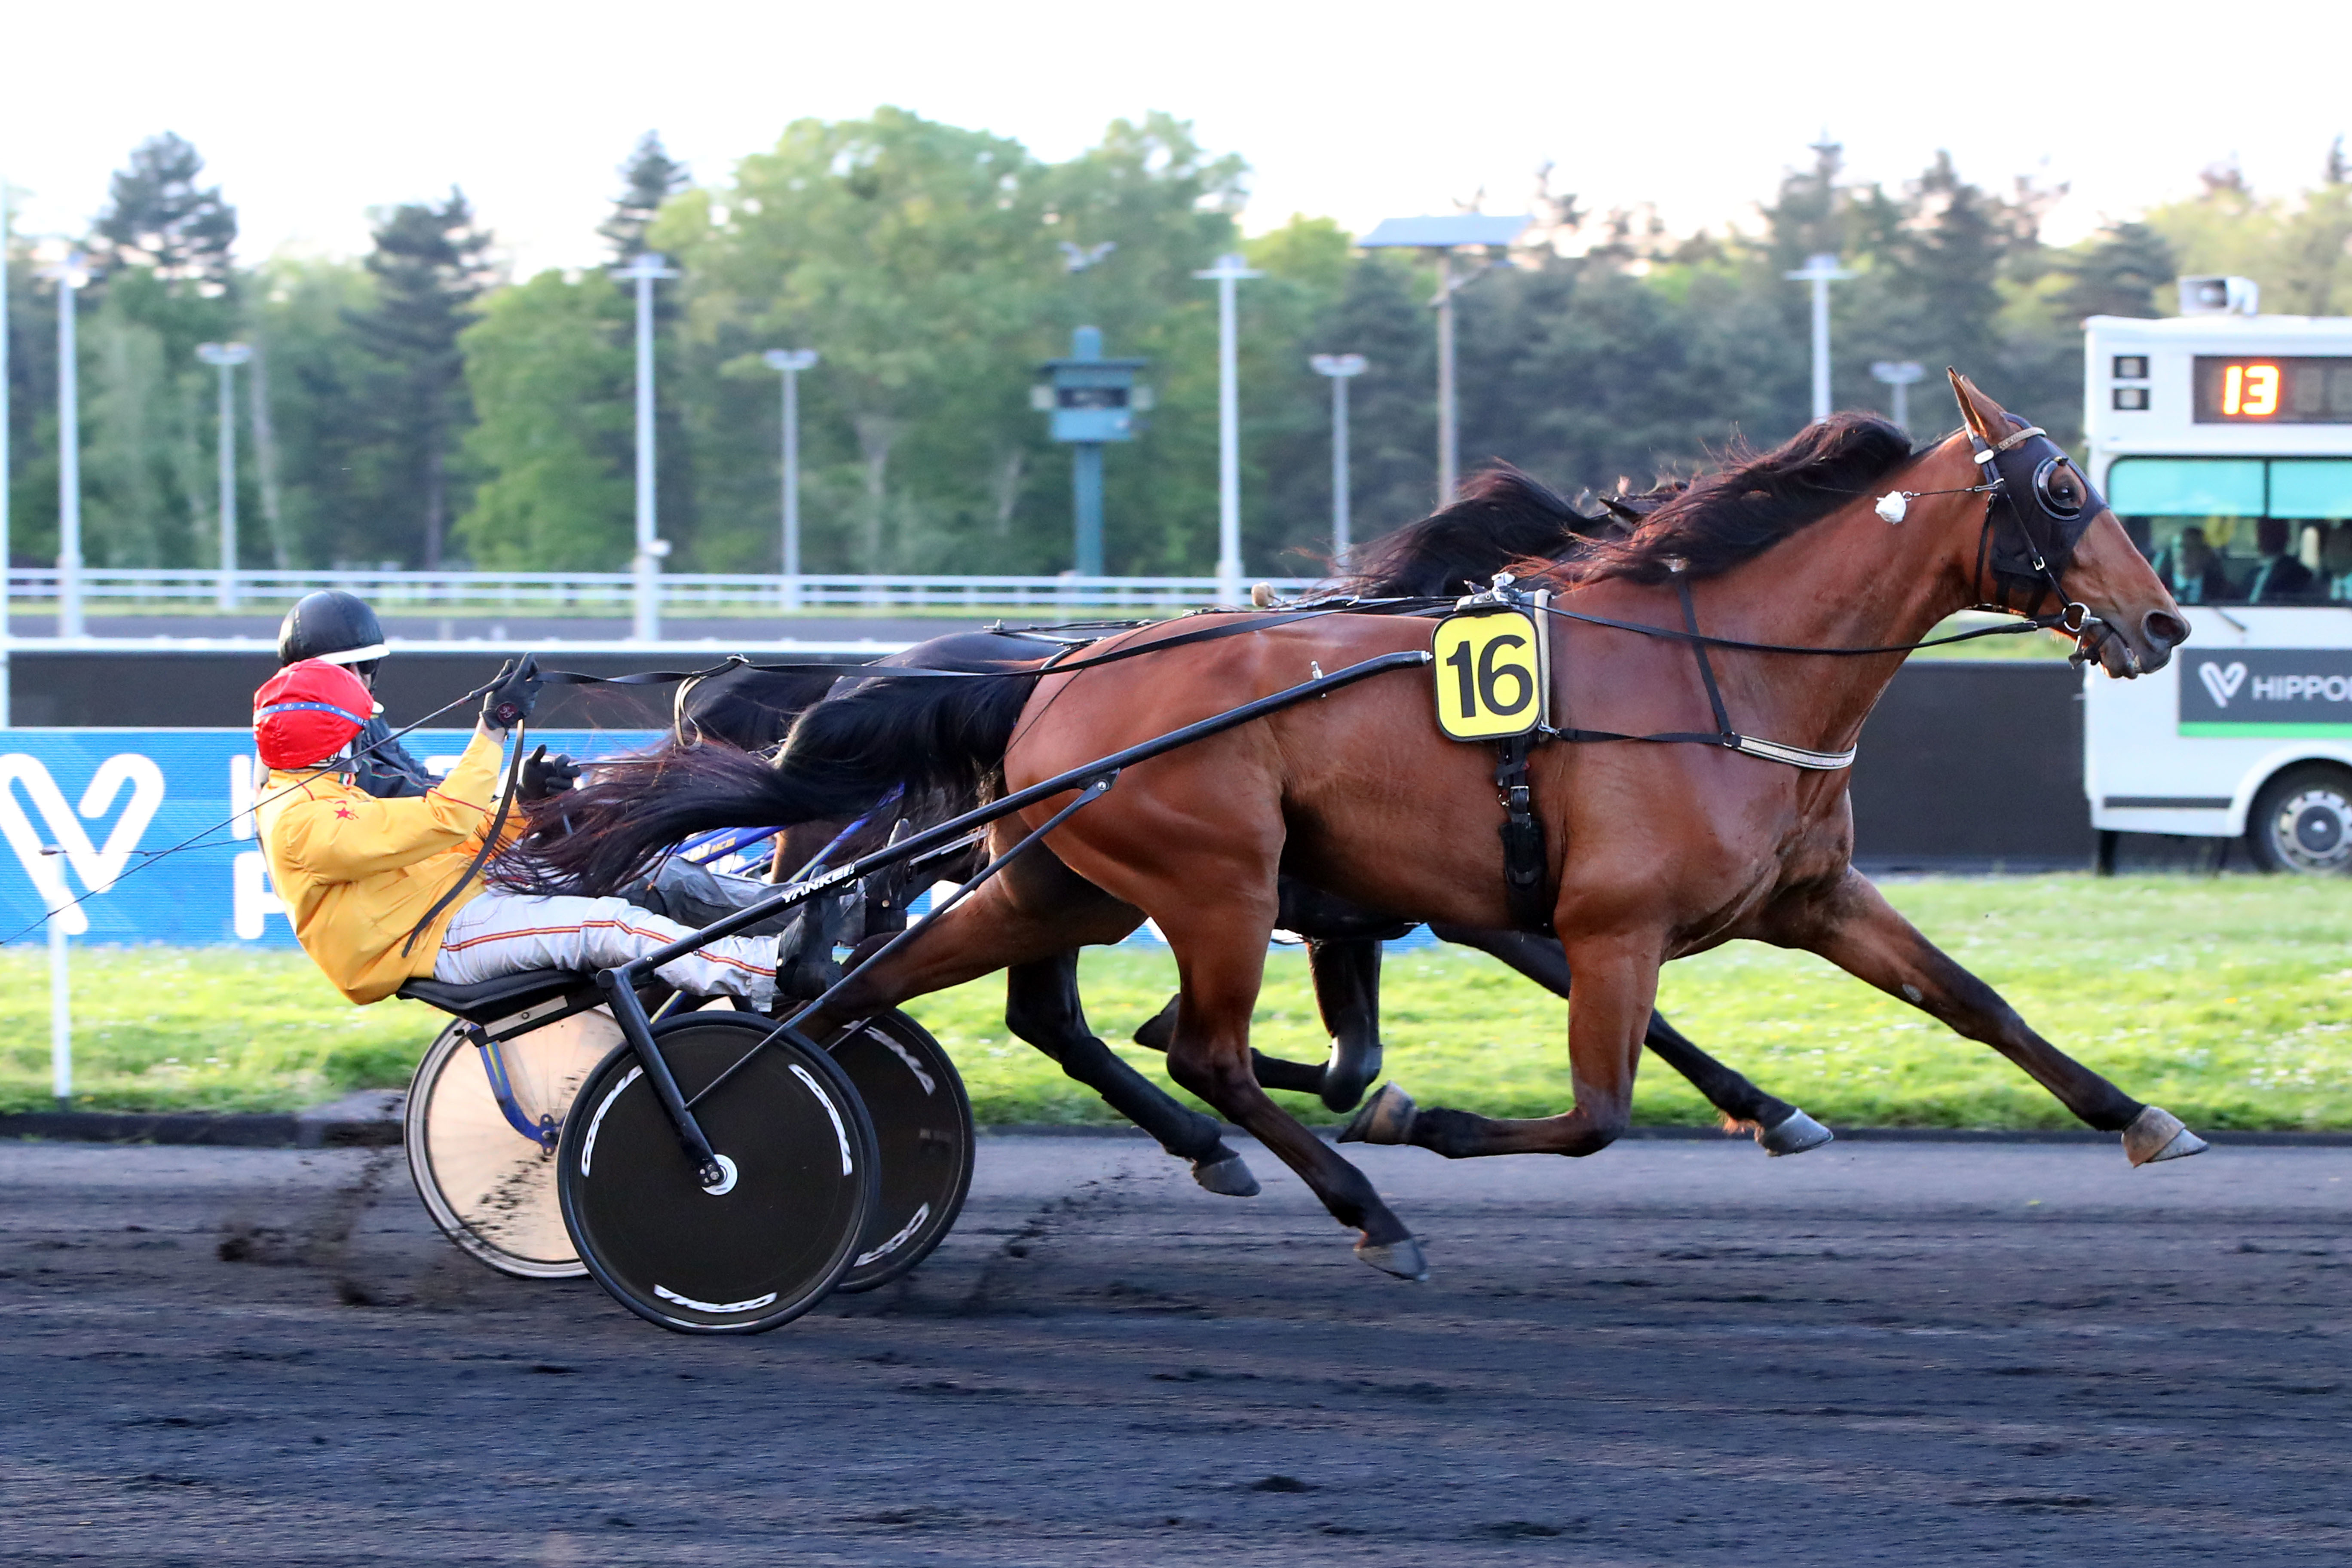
column 2060, row 486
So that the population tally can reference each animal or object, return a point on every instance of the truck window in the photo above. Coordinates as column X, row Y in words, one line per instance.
column 2241, row 530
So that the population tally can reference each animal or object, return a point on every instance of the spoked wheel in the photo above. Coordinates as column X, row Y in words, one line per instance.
column 473, row 1124
column 922, row 1122
column 767, row 1242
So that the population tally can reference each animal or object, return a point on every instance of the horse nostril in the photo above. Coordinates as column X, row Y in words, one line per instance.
column 2164, row 629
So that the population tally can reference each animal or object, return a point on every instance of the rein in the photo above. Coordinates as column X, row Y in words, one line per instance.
column 490, row 845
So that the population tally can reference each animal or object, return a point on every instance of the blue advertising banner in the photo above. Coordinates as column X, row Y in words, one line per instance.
column 85, row 811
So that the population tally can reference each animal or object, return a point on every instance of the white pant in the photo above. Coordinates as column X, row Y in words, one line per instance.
column 513, row 933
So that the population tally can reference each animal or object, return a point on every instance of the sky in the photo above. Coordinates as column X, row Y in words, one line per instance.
column 307, row 114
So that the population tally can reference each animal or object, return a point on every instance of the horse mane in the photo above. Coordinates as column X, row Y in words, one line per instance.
column 1753, row 502
column 1501, row 516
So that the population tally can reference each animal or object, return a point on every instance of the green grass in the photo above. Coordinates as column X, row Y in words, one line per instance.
column 2229, row 1001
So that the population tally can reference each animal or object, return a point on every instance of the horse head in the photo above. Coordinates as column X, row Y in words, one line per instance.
column 2050, row 544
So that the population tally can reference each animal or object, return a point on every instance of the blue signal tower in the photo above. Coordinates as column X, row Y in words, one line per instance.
column 1093, row 400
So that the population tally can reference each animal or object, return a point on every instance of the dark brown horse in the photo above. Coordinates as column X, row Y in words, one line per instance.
column 1661, row 850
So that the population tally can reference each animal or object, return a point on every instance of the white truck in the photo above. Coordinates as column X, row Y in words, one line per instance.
column 2223, row 440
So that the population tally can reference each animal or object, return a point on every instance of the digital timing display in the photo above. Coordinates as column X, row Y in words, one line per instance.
column 2273, row 390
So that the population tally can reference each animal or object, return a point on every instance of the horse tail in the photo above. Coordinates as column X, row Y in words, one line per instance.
column 933, row 733
column 843, row 755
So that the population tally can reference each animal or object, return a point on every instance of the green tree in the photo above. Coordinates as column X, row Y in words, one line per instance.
column 905, row 251
column 2298, row 249
column 2118, row 272
column 340, row 475
column 429, row 265
column 552, row 496
column 2315, row 276
column 32, row 478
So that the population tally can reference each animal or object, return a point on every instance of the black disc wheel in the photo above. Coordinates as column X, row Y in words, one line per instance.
column 2302, row 822
column 922, row 1123
column 787, row 1216
column 481, row 1131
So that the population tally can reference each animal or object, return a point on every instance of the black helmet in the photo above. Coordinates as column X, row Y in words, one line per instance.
column 334, row 625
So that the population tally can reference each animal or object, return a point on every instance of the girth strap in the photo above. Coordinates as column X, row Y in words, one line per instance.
column 1527, row 869
column 1705, row 666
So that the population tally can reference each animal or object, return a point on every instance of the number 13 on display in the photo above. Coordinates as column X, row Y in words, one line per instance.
column 1494, row 672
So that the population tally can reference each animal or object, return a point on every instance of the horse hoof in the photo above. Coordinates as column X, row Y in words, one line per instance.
column 1794, row 1136
column 1386, row 1118
column 1228, row 1176
column 2158, row 1134
column 1401, row 1259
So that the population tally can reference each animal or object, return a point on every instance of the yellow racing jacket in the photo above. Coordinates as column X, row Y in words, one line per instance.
column 358, row 872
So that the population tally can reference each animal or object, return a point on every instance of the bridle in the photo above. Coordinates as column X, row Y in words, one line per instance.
column 2019, row 474
column 2035, row 555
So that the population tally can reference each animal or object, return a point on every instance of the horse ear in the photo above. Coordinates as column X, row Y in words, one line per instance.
column 1984, row 415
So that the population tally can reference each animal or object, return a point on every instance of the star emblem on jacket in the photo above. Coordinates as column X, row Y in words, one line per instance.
column 345, row 813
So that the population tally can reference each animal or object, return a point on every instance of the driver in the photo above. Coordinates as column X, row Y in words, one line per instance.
column 382, row 890
column 339, row 629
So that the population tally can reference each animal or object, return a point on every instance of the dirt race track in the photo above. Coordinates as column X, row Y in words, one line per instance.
column 1671, row 1353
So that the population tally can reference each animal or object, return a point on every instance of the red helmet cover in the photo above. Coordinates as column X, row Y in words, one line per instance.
column 306, row 712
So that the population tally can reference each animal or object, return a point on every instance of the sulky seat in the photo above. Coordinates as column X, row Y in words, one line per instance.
column 493, row 1000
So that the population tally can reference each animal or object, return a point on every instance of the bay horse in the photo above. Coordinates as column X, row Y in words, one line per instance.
column 1654, row 851
column 1501, row 516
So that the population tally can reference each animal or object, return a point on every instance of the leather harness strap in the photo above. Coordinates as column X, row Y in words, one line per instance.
column 1527, row 868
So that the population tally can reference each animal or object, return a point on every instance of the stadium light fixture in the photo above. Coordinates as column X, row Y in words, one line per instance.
column 645, row 269
column 1231, row 269
column 1821, row 270
column 1901, row 374
column 1340, row 369
column 1440, row 236
column 790, row 362
column 225, row 358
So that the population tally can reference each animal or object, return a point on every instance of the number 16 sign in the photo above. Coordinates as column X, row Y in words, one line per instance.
column 1493, row 671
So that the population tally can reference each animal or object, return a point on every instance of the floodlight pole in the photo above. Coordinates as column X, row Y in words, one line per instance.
column 1821, row 270
column 225, row 358
column 1341, row 369
column 1449, row 432
column 643, row 270
column 1230, row 270
column 1441, row 236
column 1899, row 374
column 70, row 276
column 791, row 362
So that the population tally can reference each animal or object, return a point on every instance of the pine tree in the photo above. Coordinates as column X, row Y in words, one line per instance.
column 2119, row 273
column 430, row 264
column 649, row 178
column 158, row 218
column 165, row 283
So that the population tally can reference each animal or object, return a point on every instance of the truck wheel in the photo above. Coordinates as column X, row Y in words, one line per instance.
column 2302, row 821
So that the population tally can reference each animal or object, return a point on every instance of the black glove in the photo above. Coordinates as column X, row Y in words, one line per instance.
column 510, row 699
column 543, row 775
